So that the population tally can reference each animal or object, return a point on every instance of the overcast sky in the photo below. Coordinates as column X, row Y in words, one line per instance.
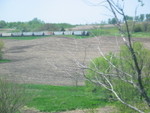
column 62, row 11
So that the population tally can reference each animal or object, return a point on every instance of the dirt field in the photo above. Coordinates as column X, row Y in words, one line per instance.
column 106, row 109
column 51, row 60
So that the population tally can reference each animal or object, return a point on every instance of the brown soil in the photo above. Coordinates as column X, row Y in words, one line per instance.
column 106, row 109
column 51, row 60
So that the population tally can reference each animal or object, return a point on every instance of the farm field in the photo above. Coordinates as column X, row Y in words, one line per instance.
column 75, row 57
column 50, row 60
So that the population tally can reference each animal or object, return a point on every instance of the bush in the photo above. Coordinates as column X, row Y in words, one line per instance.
column 137, row 28
column 1, row 47
column 146, row 26
column 123, row 61
column 100, row 65
column 12, row 96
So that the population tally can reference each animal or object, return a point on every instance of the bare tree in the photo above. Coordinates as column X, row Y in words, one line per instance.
column 107, row 77
column 136, row 78
column 114, row 9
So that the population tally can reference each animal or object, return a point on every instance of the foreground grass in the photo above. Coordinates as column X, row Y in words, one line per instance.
column 48, row 98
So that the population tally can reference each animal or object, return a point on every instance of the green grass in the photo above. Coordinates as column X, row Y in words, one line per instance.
column 37, row 37
column 23, row 38
column 141, row 35
column 72, row 36
column 4, row 60
column 112, row 31
column 48, row 98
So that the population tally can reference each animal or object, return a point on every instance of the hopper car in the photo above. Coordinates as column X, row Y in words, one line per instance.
column 45, row 33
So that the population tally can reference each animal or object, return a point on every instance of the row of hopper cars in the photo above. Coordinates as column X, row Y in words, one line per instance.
column 46, row 33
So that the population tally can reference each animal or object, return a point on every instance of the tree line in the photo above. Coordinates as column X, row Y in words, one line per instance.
column 139, row 18
column 34, row 25
column 139, row 23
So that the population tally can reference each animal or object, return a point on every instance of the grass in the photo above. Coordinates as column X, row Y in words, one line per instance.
column 48, row 98
column 141, row 35
column 112, row 31
column 4, row 61
column 73, row 36
column 23, row 38
column 37, row 37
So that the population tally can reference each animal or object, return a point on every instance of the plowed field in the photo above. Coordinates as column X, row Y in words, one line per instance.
column 53, row 60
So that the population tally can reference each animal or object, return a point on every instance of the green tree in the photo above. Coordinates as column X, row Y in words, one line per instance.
column 112, row 21
column 129, row 18
column 2, row 24
column 62, row 29
column 148, row 17
column 137, row 18
column 142, row 17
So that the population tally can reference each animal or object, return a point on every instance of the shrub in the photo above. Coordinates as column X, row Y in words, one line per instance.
column 137, row 28
column 146, row 26
column 100, row 68
column 1, row 47
column 99, row 64
column 12, row 96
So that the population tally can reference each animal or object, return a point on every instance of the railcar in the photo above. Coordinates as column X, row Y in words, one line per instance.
column 28, row 34
column 17, row 34
column 58, row 33
column 45, row 33
column 38, row 33
column 78, row 33
column 86, row 33
column 68, row 32
column 6, row 34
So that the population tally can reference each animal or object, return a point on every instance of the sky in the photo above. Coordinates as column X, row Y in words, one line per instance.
column 63, row 11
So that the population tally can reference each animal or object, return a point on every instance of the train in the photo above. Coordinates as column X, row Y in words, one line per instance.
column 45, row 33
